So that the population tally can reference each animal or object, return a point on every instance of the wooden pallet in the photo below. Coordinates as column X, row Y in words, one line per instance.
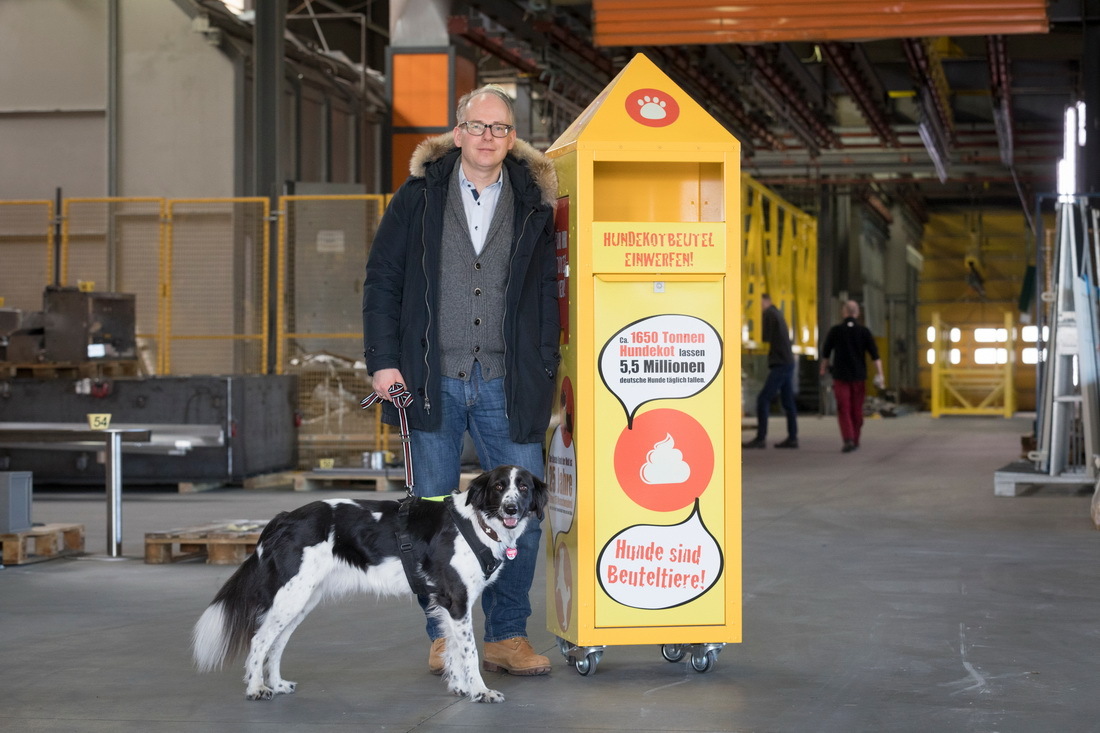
column 70, row 370
column 392, row 479
column 221, row 543
column 388, row 479
column 44, row 542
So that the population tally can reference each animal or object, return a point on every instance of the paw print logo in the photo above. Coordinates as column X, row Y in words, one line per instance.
column 652, row 107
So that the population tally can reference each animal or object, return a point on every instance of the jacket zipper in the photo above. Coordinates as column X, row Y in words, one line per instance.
column 427, row 306
column 504, row 321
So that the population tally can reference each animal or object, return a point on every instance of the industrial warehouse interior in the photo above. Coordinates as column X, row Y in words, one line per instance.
column 189, row 194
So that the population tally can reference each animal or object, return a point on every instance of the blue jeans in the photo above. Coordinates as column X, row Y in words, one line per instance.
column 780, row 381
column 478, row 406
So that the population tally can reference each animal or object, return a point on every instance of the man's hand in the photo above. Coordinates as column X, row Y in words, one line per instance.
column 383, row 379
column 879, row 381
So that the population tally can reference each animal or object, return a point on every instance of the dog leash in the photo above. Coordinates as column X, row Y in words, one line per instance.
column 401, row 398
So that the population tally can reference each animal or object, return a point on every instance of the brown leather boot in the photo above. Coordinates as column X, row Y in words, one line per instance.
column 514, row 656
column 435, row 656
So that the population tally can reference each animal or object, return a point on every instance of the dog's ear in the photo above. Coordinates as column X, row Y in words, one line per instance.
column 478, row 490
column 540, row 496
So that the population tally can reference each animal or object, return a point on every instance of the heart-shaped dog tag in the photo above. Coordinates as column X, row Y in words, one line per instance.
column 511, row 553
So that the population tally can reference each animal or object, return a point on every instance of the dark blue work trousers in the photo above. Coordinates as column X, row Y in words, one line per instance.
column 780, row 381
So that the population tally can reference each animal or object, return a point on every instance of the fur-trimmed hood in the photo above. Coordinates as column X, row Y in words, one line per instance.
column 541, row 168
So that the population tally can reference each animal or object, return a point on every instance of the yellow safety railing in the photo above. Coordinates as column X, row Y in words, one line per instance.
column 960, row 387
column 117, row 244
column 322, row 250
column 778, row 257
column 216, row 307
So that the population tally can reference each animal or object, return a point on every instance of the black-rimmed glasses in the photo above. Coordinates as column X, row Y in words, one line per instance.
column 477, row 129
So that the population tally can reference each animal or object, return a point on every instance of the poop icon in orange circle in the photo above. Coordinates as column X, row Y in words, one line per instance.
column 665, row 460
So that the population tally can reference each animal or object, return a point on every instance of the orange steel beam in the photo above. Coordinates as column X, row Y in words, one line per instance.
column 660, row 22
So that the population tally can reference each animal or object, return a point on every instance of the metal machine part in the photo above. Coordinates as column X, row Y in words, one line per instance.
column 233, row 427
column 74, row 326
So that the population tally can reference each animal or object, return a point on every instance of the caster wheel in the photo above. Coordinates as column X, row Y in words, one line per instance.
column 587, row 666
column 705, row 662
column 564, row 647
column 673, row 652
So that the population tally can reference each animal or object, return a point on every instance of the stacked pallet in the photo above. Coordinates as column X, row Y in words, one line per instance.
column 44, row 542
column 219, row 543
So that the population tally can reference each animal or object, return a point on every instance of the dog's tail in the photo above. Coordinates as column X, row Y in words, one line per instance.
column 226, row 627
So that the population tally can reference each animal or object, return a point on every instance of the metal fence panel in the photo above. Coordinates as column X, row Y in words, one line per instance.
column 216, row 271
column 323, row 245
column 116, row 245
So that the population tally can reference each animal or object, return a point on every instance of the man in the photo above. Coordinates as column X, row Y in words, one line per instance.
column 780, row 378
column 460, row 306
column 850, row 341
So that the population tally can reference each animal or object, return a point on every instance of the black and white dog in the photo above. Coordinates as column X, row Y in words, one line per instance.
column 328, row 549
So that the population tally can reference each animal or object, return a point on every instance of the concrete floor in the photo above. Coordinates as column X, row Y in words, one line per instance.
column 885, row 590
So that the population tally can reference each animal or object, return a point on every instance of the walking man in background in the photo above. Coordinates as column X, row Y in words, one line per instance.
column 460, row 306
column 780, row 378
column 850, row 341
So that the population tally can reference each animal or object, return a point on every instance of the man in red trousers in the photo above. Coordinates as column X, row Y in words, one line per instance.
column 845, row 345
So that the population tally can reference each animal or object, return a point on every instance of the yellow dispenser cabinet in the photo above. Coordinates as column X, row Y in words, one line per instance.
column 644, row 461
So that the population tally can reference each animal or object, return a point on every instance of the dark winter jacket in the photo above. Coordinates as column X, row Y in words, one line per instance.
column 775, row 332
column 401, row 291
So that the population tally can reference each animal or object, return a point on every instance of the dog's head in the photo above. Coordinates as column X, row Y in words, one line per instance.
column 508, row 493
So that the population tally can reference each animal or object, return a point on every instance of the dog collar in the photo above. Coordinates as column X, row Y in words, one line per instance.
column 486, row 528
column 509, row 552
column 485, row 557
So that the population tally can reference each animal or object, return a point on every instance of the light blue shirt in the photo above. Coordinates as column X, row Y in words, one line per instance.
column 479, row 207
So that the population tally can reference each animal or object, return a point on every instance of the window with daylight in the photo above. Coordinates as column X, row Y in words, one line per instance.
column 990, row 335
column 990, row 355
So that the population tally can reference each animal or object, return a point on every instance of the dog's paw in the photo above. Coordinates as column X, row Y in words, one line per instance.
column 260, row 693
column 487, row 696
column 285, row 687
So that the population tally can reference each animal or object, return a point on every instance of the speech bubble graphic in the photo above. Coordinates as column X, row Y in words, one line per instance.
column 561, row 482
column 653, row 567
column 666, row 357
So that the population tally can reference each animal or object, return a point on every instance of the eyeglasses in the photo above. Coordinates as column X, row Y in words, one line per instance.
column 477, row 129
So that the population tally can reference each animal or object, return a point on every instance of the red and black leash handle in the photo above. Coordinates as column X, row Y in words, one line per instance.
column 402, row 398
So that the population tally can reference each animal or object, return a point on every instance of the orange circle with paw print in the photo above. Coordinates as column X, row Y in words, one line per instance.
column 652, row 107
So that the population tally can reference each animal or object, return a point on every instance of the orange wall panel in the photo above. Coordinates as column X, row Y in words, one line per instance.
column 421, row 90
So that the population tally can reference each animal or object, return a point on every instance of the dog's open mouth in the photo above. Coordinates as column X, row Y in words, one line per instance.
column 510, row 522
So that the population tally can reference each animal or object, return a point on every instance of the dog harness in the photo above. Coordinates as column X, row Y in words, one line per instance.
column 485, row 557
column 410, row 562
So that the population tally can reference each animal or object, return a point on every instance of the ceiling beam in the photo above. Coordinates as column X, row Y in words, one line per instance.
column 841, row 59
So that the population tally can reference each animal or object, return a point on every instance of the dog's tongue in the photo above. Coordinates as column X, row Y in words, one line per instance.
column 510, row 522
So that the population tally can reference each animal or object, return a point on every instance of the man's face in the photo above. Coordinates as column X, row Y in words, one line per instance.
column 484, row 153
